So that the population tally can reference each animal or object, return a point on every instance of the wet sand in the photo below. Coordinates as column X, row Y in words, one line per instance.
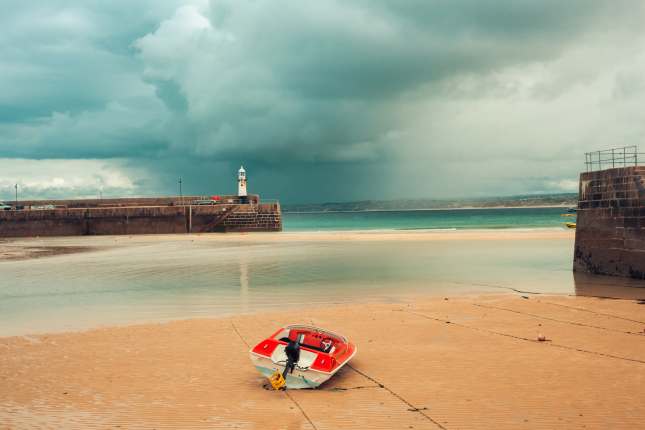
column 20, row 250
column 127, row 280
column 25, row 248
column 456, row 363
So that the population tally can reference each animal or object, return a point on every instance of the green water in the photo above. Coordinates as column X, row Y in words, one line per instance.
column 426, row 219
column 168, row 279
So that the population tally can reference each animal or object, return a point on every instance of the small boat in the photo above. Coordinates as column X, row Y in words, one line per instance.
column 570, row 224
column 300, row 356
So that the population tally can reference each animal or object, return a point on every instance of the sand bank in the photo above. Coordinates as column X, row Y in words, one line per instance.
column 24, row 251
column 466, row 362
column 26, row 248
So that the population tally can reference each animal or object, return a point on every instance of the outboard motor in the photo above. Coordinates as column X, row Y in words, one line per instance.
column 292, row 350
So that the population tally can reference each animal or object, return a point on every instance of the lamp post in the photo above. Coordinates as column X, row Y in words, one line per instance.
column 181, row 197
column 16, row 187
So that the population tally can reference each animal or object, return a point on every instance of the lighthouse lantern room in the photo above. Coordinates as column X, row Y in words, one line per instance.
column 241, row 182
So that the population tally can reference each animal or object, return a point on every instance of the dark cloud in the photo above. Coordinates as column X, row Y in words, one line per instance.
column 323, row 100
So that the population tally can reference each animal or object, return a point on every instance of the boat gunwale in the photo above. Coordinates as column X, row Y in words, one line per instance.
column 316, row 329
column 309, row 369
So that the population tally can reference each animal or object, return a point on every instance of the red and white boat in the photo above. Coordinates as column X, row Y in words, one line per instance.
column 305, row 356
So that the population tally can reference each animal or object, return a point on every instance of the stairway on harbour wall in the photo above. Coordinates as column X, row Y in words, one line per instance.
column 129, row 216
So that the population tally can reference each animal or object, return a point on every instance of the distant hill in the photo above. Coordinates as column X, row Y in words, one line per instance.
column 563, row 199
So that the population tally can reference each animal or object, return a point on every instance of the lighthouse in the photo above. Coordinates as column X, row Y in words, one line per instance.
column 241, row 182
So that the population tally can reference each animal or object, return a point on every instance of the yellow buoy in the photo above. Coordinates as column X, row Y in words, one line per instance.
column 277, row 380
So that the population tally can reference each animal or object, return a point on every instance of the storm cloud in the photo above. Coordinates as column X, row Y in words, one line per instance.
column 323, row 100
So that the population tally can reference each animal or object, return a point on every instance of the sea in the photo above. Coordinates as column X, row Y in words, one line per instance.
column 493, row 218
column 142, row 279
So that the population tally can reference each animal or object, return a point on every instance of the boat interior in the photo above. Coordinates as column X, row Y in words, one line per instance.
column 313, row 339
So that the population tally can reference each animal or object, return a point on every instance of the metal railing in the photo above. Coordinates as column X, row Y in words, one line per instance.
column 615, row 157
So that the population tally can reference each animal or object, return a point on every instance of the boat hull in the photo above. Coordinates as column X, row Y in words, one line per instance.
column 298, row 379
column 319, row 355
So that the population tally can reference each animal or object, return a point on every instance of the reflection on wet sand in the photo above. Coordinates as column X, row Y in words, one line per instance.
column 139, row 279
column 244, row 283
column 608, row 286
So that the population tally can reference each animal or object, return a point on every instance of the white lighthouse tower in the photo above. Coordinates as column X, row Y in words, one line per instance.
column 241, row 182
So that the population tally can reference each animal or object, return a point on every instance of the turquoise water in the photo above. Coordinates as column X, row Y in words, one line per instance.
column 426, row 219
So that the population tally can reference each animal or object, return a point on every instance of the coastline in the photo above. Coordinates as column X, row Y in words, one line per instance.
column 443, row 362
column 429, row 209
column 405, row 234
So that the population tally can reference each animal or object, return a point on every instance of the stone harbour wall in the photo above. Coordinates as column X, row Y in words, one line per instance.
column 141, row 220
column 610, row 229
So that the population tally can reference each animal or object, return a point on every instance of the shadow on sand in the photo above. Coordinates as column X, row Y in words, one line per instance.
column 609, row 287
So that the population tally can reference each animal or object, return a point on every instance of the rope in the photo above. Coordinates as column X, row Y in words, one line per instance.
column 556, row 320
column 601, row 354
column 412, row 408
column 304, row 414
column 593, row 312
column 239, row 335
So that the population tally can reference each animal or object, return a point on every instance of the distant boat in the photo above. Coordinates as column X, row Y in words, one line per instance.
column 300, row 356
column 570, row 224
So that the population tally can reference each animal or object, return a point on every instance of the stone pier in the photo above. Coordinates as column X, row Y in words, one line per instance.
column 139, row 216
column 610, row 231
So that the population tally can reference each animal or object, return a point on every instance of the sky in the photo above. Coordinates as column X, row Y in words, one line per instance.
column 320, row 101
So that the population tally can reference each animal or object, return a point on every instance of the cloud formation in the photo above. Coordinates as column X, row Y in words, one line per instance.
column 62, row 178
column 326, row 100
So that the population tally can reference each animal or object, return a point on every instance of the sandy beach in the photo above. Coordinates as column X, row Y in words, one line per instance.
column 447, row 348
column 458, row 362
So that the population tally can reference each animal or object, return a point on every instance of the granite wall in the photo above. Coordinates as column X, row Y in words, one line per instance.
column 141, row 220
column 610, row 230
